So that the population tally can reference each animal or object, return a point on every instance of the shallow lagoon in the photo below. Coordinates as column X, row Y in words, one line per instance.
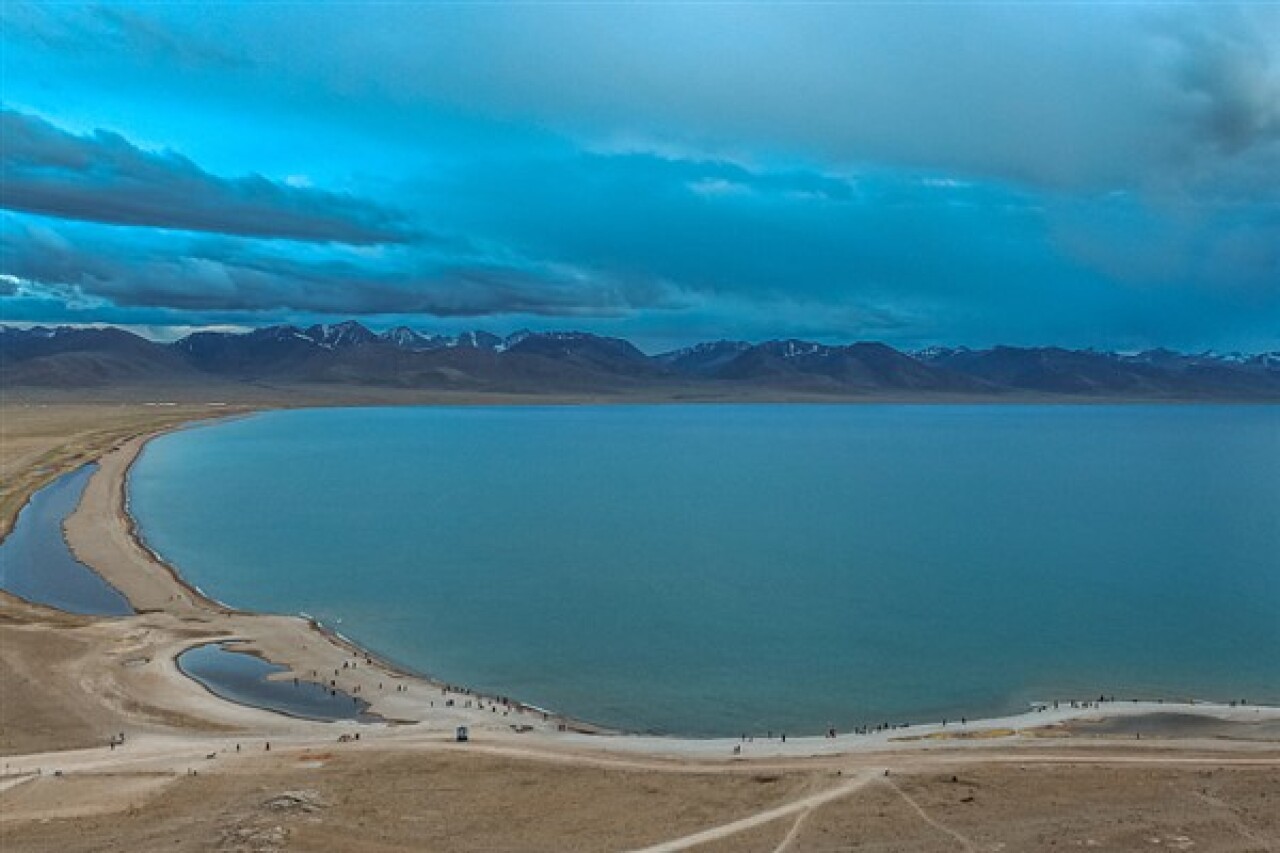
column 245, row 678
column 37, row 564
column 718, row 569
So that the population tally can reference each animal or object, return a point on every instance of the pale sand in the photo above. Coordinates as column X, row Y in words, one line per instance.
column 101, row 535
column 39, row 441
column 97, row 677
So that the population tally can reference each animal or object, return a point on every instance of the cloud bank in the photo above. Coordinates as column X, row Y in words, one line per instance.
column 1082, row 174
column 103, row 177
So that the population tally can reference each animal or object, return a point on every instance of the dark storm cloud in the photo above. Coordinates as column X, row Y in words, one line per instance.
column 1066, row 95
column 1229, row 75
column 87, row 262
column 104, row 178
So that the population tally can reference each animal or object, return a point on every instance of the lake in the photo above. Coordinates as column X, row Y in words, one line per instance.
column 718, row 569
column 37, row 564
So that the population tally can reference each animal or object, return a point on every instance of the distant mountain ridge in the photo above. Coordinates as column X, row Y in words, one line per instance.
column 568, row 362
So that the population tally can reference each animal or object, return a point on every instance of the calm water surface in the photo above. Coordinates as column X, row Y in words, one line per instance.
column 37, row 564
column 716, row 569
column 244, row 678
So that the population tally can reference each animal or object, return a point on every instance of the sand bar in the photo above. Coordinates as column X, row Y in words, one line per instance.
column 102, row 534
column 74, row 682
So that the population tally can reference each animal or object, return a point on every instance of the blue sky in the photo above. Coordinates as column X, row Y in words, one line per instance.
column 1080, row 174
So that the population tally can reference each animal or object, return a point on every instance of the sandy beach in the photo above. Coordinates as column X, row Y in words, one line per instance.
column 1137, row 775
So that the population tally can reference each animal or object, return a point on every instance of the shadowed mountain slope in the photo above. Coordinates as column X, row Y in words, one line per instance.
column 558, row 362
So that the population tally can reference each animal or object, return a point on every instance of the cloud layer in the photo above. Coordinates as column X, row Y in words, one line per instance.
column 1098, row 174
column 103, row 177
column 223, row 276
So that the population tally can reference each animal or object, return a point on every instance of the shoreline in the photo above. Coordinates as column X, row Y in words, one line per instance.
column 223, row 646
column 255, row 633
column 119, row 569
column 131, row 529
column 325, row 632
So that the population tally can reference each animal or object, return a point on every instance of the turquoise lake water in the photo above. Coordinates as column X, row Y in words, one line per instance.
column 722, row 569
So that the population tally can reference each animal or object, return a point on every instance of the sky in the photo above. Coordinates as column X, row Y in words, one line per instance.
column 1082, row 174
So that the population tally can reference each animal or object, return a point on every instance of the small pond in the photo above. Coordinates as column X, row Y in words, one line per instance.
column 244, row 678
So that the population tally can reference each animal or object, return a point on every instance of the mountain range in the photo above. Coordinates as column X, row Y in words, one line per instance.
column 578, row 362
